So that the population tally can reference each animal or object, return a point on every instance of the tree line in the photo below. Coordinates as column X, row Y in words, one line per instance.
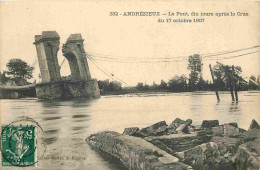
column 195, row 81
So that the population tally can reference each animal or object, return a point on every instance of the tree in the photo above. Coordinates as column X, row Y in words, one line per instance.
column 3, row 78
column 140, row 86
column 178, row 83
column 154, row 86
column 195, row 67
column 202, row 84
column 223, row 73
column 106, row 86
column 115, row 86
column 19, row 68
column 163, row 85
column 103, row 85
column 219, row 73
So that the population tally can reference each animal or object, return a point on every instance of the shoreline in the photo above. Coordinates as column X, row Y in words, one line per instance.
column 144, row 92
column 169, row 92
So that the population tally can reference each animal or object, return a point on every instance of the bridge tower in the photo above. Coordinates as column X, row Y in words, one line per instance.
column 80, row 85
column 47, row 46
column 74, row 52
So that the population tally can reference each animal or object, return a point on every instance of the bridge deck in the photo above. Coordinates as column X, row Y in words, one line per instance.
column 17, row 87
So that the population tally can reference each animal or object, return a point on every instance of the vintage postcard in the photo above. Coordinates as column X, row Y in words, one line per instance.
column 141, row 85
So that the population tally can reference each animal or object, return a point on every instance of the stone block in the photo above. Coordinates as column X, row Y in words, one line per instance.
column 209, row 123
column 218, row 131
column 229, row 146
column 180, row 126
column 241, row 130
column 176, row 123
column 134, row 153
column 206, row 156
column 179, row 142
column 225, row 163
column 141, row 134
column 171, row 131
column 197, row 128
column 68, row 90
column 158, row 128
column 248, row 156
column 233, row 124
column 184, row 127
column 226, row 145
column 50, row 34
column 75, row 37
column 130, row 131
column 231, row 131
column 254, row 125
column 250, row 135
column 199, row 155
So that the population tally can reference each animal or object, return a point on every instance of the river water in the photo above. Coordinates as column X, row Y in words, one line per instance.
column 66, row 124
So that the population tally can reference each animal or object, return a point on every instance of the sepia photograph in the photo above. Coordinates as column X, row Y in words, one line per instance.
column 139, row 85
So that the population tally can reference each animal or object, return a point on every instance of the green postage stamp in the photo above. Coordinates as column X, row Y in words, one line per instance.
column 18, row 145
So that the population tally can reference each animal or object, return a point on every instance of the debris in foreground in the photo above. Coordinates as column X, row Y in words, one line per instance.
column 181, row 145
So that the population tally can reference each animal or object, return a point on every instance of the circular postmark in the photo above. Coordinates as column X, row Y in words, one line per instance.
column 21, row 143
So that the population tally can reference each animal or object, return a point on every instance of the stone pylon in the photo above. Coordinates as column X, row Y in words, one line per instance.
column 74, row 52
column 47, row 46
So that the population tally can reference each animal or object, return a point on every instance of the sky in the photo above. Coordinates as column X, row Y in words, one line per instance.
column 133, row 39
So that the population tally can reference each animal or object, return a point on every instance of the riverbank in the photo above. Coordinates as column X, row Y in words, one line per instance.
column 165, row 92
column 181, row 145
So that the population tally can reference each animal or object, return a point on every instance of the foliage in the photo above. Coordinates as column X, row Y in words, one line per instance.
column 163, row 85
column 219, row 74
column 3, row 78
column 195, row 67
column 223, row 74
column 106, row 86
column 19, row 68
column 178, row 83
column 142, row 87
column 115, row 86
column 202, row 84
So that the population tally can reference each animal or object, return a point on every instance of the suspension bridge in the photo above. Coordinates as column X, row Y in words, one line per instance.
column 80, row 70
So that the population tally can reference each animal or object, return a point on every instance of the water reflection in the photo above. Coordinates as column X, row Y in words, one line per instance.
column 50, row 103
column 82, row 102
column 51, row 118
column 80, row 116
column 234, row 107
column 78, row 128
column 49, row 111
column 48, row 141
column 52, row 131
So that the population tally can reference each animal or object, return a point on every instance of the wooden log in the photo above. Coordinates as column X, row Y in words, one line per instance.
column 230, row 84
column 182, row 128
column 212, row 75
column 234, row 83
